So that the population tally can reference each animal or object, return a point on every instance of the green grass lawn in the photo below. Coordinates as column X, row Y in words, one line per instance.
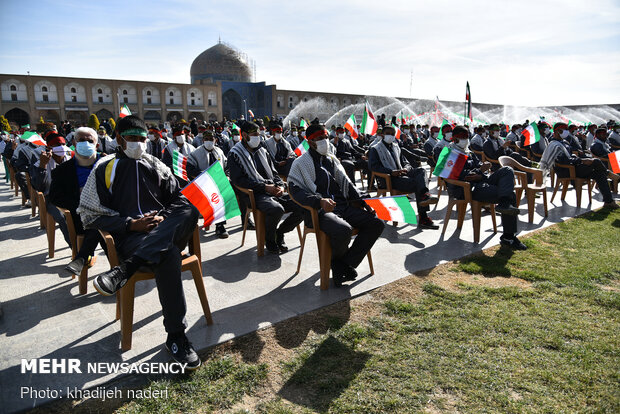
column 552, row 345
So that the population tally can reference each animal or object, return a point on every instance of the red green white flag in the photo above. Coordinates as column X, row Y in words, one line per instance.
column 440, row 136
column 179, row 165
column 234, row 126
column 251, row 113
column 393, row 209
column 531, row 134
column 303, row 123
column 33, row 138
column 369, row 124
column 450, row 163
column 614, row 161
column 397, row 129
column 212, row 194
column 302, row 148
column 124, row 111
column 351, row 126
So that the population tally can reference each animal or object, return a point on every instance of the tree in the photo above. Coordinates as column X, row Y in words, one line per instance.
column 4, row 124
column 112, row 123
column 41, row 121
column 93, row 122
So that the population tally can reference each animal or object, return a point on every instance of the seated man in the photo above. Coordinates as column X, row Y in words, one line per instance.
column 600, row 147
column 156, row 144
column 201, row 159
column 350, row 155
column 25, row 155
column 446, row 133
column 495, row 188
column 293, row 138
column 477, row 141
column 68, row 180
column 279, row 149
column 614, row 137
column 179, row 144
column 430, row 143
column 494, row 148
column 385, row 157
column 151, row 224
column 250, row 167
column 105, row 144
column 318, row 180
column 558, row 152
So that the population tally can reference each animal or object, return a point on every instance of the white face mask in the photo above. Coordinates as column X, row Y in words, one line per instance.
column 388, row 139
column 322, row 146
column 564, row 134
column 151, row 137
column 254, row 141
column 101, row 135
column 135, row 149
column 180, row 139
column 519, row 131
column 340, row 136
column 448, row 136
column 546, row 131
column 462, row 144
column 435, row 135
column 495, row 134
column 236, row 138
column 278, row 136
column 209, row 145
column 294, row 133
column 303, row 134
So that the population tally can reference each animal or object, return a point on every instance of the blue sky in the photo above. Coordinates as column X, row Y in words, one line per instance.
column 525, row 52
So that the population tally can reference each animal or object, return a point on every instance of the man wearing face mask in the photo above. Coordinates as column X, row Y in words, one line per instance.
column 106, row 145
column 430, row 143
column 385, row 157
column 446, row 133
column 67, row 181
column 293, row 137
column 477, row 141
column 558, row 152
column 590, row 135
column 155, row 145
column 494, row 148
column 572, row 140
column 279, row 149
column 318, row 180
column 495, row 188
column 25, row 155
column 199, row 139
column 614, row 137
column 350, row 155
column 251, row 167
column 136, row 198
column 178, row 144
column 600, row 147
column 514, row 134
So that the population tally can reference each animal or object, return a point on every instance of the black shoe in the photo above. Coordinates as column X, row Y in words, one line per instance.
column 427, row 223
column 427, row 199
column 513, row 243
column 272, row 247
column 280, row 242
column 111, row 281
column 251, row 225
column 73, row 268
column 338, row 272
column 507, row 209
column 220, row 231
column 350, row 274
column 183, row 352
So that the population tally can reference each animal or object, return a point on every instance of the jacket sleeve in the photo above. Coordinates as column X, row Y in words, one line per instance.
column 305, row 197
column 239, row 177
column 40, row 179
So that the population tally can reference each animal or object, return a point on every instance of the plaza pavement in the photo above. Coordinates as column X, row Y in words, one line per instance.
column 45, row 317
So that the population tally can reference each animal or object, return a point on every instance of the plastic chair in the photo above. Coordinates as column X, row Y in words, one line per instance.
column 565, row 182
column 538, row 186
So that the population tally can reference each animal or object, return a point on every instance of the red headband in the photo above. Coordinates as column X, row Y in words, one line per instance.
column 319, row 133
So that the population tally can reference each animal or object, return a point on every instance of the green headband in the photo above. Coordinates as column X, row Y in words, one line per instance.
column 135, row 131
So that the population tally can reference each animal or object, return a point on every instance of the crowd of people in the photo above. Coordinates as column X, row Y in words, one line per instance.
column 120, row 180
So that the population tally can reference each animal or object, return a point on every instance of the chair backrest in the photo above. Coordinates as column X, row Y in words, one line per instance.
column 463, row 184
column 506, row 161
column 313, row 212
column 250, row 193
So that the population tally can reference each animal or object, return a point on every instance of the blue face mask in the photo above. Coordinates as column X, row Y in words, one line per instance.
column 85, row 149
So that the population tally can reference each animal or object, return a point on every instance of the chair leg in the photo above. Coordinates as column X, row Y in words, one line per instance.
column 245, row 226
column 578, row 184
column 555, row 190
column 462, row 210
column 372, row 268
column 475, row 213
column 544, row 193
column 531, row 203
column 302, row 244
column 565, row 185
column 259, row 222
column 50, row 230
column 447, row 218
column 127, row 299
column 519, row 193
column 202, row 293
column 325, row 256
column 83, row 277
column 33, row 204
column 493, row 218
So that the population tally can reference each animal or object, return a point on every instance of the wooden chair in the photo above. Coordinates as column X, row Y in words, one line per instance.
column 565, row 182
column 461, row 206
column 14, row 184
column 126, row 295
column 362, row 177
column 382, row 192
column 613, row 181
column 538, row 186
column 323, row 245
column 76, row 244
column 259, row 222
column 33, row 196
column 47, row 221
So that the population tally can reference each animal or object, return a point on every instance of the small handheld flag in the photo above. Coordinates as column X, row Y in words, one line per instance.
column 302, row 148
column 179, row 165
column 351, row 126
column 33, row 138
column 393, row 209
column 369, row 124
column 468, row 100
column 251, row 113
column 124, row 111
column 531, row 134
column 614, row 161
column 450, row 163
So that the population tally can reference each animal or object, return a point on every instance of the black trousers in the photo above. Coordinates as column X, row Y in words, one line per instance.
column 162, row 248
column 92, row 237
column 351, row 165
column 499, row 187
column 274, row 208
column 413, row 182
column 598, row 171
column 284, row 170
column 20, row 177
column 339, row 226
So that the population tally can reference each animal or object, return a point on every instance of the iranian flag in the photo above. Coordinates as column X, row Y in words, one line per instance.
column 450, row 163
column 302, row 148
column 440, row 136
column 303, row 123
column 393, row 209
column 212, row 194
column 251, row 113
column 397, row 129
column 351, row 126
column 614, row 161
column 124, row 111
column 234, row 126
column 369, row 124
column 531, row 134
column 33, row 138
column 179, row 165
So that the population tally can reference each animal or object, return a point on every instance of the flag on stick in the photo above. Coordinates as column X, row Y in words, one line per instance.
column 251, row 113
column 531, row 134
column 124, row 111
column 212, row 194
column 614, row 161
column 351, row 126
column 179, row 165
column 468, row 99
column 369, row 124
column 397, row 129
column 450, row 163
column 303, row 123
column 393, row 209
column 33, row 138
column 440, row 136
column 302, row 148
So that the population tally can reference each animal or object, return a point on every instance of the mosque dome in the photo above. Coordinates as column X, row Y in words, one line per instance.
column 221, row 62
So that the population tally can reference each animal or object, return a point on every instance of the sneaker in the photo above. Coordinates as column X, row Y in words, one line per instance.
column 611, row 206
column 220, row 231
column 272, row 247
column 427, row 223
column 507, row 209
column 350, row 274
column 427, row 199
column 183, row 352
column 110, row 282
column 73, row 269
column 280, row 242
column 513, row 243
column 338, row 272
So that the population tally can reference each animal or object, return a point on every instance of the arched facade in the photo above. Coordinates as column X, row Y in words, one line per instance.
column 50, row 115
column 198, row 115
column 45, row 91
column 17, row 117
column 194, row 97
column 127, row 94
column 212, row 99
column 102, row 94
column 104, row 114
column 173, row 96
column 74, row 92
column 150, row 96
column 14, row 91
column 232, row 104
column 174, row 116
column 152, row 116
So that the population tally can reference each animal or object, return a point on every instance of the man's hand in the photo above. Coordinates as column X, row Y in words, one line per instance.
column 327, row 204
column 282, row 163
column 44, row 159
column 506, row 144
column 473, row 177
column 274, row 190
column 587, row 161
column 146, row 223
column 485, row 166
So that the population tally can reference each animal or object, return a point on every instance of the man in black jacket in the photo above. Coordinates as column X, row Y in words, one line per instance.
column 135, row 197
